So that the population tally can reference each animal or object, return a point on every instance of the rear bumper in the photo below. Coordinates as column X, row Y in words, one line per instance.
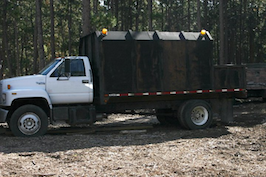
column 3, row 115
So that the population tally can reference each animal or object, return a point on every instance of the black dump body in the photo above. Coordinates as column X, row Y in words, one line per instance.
column 145, row 63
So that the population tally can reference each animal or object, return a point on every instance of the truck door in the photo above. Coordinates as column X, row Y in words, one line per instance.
column 73, row 87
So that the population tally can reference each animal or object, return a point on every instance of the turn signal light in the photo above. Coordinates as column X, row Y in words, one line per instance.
column 8, row 87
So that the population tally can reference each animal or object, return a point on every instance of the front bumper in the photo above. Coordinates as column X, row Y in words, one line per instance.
column 3, row 115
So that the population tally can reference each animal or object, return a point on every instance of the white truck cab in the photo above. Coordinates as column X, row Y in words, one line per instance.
column 28, row 101
column 72, row 86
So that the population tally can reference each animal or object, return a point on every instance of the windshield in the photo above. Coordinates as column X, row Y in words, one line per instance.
column 49, row 67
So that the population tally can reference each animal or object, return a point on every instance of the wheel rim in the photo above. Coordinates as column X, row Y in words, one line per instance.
column 199, row 115
column 29, row 123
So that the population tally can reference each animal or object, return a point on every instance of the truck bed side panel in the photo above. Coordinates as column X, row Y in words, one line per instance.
column 150, row 62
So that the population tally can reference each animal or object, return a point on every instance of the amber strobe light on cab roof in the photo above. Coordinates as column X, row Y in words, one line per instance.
column 104, row 31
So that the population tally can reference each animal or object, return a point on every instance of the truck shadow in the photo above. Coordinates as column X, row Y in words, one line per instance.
column 247, row 115
column 63, row 142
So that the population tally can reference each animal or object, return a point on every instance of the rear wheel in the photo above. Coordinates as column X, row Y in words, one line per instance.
column 166, row 117
column 195, row 114
column 28, row 120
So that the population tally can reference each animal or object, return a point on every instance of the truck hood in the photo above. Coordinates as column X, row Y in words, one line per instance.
column 25, row 82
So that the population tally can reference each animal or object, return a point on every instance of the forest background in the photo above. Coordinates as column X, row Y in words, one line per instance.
column 34, row 32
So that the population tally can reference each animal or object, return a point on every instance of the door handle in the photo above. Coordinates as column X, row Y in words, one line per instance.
column 85, row 81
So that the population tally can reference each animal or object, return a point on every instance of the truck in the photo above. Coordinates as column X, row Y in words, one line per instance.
column 171, row 73
column 256, row 80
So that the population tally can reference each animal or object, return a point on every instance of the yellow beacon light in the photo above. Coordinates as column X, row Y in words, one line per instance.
column 203, row 32
column 104, row 31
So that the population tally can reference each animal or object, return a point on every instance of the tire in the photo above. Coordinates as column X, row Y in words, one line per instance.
column 195, row 114
column 166, row 119
column 180, row 117
column 28, row 120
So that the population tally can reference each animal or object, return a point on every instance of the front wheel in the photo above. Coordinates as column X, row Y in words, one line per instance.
column 28, row 120
column 195, row 114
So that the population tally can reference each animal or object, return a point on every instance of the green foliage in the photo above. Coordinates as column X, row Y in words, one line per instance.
column 245, row 26
column 103, row 20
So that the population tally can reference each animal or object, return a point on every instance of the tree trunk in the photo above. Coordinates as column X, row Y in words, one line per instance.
column 1, row 54
column 35, row 46
column 130, row 21
column 138, row 8
column 69, row 28
column 95, row 6
column 40, row 33
column 112, row 6
column 244, row 34
column 206, row 17
column 162, row 16
column 251, row 42
column 1, row 64
column 150, row 14
column 226, row 58
column 86, row 17
column 182, row 14
column 189, row 15
column 17, row 49
column 122, row 14
column 199, row 15
column 168, row 17
column 6, row 55
column 222, row 45
column 22, row 54
column 116, row 14
column 52, row 29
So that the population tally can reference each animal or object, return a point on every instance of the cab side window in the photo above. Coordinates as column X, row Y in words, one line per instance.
column 76, row 69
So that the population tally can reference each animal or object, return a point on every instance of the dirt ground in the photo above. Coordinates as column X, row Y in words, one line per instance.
column 238, row 149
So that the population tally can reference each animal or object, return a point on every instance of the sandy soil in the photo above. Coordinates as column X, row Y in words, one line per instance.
column 238, row 149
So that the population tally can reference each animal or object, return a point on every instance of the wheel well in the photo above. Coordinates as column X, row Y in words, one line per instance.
column 40, row 102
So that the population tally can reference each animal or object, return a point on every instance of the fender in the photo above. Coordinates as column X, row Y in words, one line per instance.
column 15, row 94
